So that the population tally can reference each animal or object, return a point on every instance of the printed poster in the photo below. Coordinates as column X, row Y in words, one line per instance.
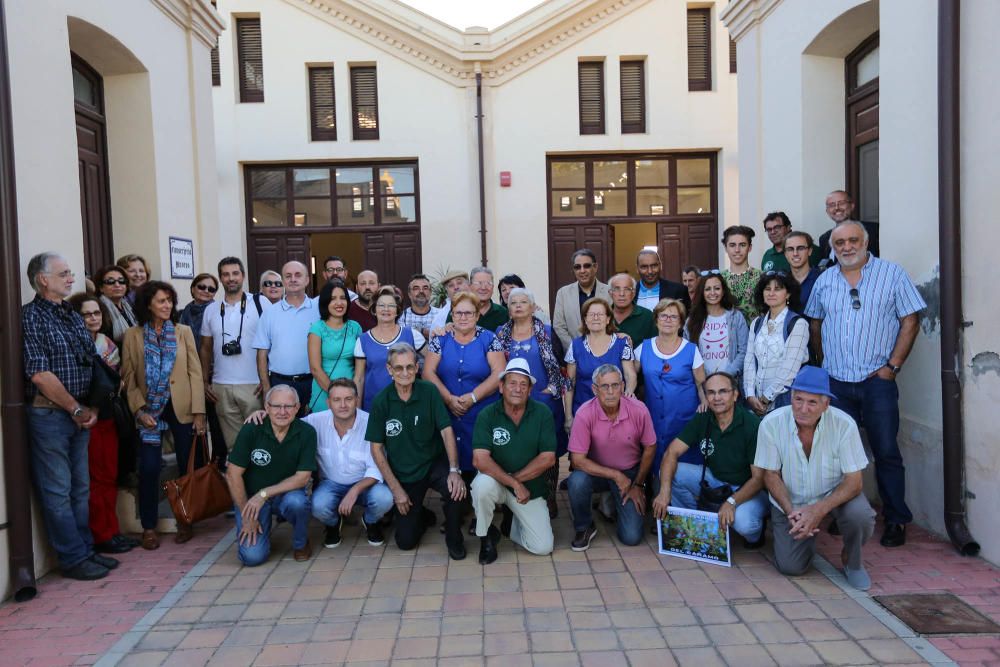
column 694, row 535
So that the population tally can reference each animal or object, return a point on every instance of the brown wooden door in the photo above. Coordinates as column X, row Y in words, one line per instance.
column 564, row 240
column 862, row 83
column 685, row 243
column 271, row 251
column 393, row 255
column 91, row 141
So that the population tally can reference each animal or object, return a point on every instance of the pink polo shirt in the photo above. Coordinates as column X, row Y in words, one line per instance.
column 615, row 444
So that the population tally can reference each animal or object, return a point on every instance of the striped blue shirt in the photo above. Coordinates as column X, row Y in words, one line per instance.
column 856, row 343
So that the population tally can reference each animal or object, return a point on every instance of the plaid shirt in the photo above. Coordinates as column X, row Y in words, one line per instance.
column 55, row 340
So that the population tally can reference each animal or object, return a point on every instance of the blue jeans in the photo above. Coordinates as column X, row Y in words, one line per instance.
column 376, row 499
column 874, row 405
column 293, row 507
column 61, row 472
column 582, row 487
column 749, row 516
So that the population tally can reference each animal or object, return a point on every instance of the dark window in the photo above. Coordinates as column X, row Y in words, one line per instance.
column 322, row 109
column 633, row 89
column 591, row 80
column 732, row 56
column 250, row 60
column 699, row 49
column 364, row 102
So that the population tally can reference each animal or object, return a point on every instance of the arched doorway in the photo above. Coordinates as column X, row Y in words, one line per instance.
column 92, row 150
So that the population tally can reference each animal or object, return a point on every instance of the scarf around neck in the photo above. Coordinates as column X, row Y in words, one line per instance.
column 555, row 381
column 159, row 353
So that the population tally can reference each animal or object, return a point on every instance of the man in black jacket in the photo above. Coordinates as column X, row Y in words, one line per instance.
column 652, row 287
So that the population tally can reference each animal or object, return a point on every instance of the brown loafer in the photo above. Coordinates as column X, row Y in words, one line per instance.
column 184, row 533
column 150, row 540
column 303, row 554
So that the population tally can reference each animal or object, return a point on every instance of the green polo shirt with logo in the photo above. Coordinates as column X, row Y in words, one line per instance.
column 513, row 446
column 410, row 430
column 729, row 453
column 267, row 461
column 494, row 318
column 639, row 325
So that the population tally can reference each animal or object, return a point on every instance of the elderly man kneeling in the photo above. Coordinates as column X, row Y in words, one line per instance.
column 812, row 458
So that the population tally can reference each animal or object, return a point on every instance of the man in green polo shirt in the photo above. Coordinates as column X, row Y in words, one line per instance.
column 513, row 446
column 414, row 448
column 630, row 318
column 778, row 226
column 269, row 468
column 727, row 436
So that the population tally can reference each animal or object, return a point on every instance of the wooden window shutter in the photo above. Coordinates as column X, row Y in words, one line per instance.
column 364, row 102
column 591, row 82
column 633, row 94
column 322, row 107
column 216, row 76
column 250, row 56
column 699, row 30
column 732, row 56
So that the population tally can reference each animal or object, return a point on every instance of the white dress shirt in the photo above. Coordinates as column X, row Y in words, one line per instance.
column 345, row 460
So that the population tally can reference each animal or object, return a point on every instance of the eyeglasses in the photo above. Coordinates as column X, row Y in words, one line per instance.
column 93, row 313
column 459, row 314
column 837, row 204
column 336, row 269
column 622, row 290
column 272, row 283
column 779, row 274
column 282, row 407
column 596, row 315
column 115, row 281
column 385, row 306
column 409, row 368
column 855, row 299
column 774, row 228
column 482, row 283
column 580, row 267
column 668, row 317
column 211, row 289
column 796, row 248
column 613, row 386
column 62, row 274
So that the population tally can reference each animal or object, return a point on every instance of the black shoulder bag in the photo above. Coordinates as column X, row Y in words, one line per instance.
column 710, row 498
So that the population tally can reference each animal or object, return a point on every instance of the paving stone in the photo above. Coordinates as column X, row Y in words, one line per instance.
column 795, row 611
column 757, row 612
column 813, row 630
column 632, row 618
column 746, row 655
column 416, row 647
column 547, row 620
column 640, row 638
column 370, row 649
column 670, row 616
column 461, row 645
column 560, row 640
column 698, row 657
column 865, row 628
column 291, row 633
column 715, row 615
column 775, row 632
column 645, row 658
column 841, row 653
column 233, row 656
column 595, row 640
column 586, row 620
column 730, row 633
column 685, row 637
column 890, row 651
column 505, row 643
column 280, row 654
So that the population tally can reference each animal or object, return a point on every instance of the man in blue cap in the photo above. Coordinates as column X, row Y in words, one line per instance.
column 812, row 458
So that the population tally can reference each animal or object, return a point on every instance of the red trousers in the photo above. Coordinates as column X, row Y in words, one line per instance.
column 103, row 458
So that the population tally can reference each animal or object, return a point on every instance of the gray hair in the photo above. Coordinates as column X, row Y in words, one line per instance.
column 40, row 264
column 481, row 269
column 521, row 291
column 856, row 223
column 604, row 369
column 398, row 349
column 627, row 275
column 279, row 388
column 269, row 272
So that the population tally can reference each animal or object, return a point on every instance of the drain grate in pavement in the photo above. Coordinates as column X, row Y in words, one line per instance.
column 937, row 614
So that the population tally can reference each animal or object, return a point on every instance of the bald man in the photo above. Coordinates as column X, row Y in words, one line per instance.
column 282, row 333
column 360, row 308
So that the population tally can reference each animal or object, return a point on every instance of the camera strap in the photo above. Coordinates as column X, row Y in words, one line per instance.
column 222, row 316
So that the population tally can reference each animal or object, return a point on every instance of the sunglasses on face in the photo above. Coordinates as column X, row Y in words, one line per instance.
column 581, row 267
column 272, row 283
column 115, row 281
column 211, row 289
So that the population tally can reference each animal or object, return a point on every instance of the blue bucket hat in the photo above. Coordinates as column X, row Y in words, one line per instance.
column 813, row 380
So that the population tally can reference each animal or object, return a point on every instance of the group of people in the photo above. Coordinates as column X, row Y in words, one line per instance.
column 745, row 385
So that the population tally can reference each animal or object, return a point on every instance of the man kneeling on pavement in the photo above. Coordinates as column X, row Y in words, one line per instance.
column 726, row 434
column 812, row 458
column 269, row 468
column 513, row 446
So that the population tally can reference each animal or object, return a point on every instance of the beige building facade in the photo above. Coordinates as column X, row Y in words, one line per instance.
column 844, row 93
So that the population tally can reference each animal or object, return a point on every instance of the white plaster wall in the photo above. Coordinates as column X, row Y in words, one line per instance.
column 792, row 129
column 152, row 153
column 420, row 117
column 537, row 112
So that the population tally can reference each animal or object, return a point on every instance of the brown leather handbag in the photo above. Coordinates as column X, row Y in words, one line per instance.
column 199, row 494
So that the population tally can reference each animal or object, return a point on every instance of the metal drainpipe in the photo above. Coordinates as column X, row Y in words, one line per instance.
column 950, row 245
column 15, row 434
column 482, row 177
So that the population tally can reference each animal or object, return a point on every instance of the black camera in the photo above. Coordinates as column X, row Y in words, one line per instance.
column 232, row 348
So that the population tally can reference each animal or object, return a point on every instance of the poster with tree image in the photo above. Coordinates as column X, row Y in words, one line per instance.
column 694, row 535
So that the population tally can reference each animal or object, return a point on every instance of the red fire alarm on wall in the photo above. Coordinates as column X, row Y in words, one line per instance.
column 504, row 179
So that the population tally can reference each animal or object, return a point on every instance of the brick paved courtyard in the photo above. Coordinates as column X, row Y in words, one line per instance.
column 612, row 605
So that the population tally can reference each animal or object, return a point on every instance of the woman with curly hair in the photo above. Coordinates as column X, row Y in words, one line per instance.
column 717, row 326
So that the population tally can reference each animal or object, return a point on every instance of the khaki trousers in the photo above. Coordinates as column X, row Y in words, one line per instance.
column 236, row 402
column 532, row 528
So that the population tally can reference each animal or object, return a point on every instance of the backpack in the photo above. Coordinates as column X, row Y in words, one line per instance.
column 790, row 321
column 260, row 308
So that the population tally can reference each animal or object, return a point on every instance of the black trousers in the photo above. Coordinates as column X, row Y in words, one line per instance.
column 410, row 528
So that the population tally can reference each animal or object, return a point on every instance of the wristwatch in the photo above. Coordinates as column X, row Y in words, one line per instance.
column 458, row 470
column 263, row 494
column 895, row 369
column 731, row 501
column 77, row 411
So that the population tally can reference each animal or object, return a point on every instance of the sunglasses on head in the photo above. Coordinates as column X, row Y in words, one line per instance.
column 710, row 272
column 212, row 289
column 780, row 274
column 115, row 281
column 273, row 283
